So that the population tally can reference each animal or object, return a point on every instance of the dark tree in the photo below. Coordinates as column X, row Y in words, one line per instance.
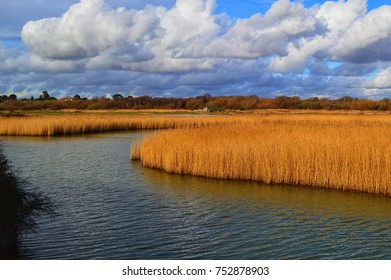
column 117, row 96
column 12, row 97
column 76, row 97
column 44, row 96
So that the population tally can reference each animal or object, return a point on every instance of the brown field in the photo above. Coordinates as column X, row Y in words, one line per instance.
column 347, row 152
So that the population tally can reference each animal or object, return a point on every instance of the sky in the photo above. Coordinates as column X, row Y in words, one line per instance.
column 185, row 48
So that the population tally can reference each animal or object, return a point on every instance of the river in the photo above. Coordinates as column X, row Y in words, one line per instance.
column 111, row 208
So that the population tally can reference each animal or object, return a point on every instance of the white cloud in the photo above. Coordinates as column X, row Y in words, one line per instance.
column 123, row 38
column 87, row 29
column 368, row 39
column 187, row 46
column 189, row 36
column 261, row 35
column 382, row 80
column 338, row 17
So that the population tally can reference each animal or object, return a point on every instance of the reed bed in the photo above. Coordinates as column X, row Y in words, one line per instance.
column 78, row 124
column 339, row 152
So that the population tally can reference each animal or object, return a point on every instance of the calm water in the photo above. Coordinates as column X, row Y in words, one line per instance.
column 112, row 208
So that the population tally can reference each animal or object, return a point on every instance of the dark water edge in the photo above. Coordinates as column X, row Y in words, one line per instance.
column 19, row 209
column 112, row 208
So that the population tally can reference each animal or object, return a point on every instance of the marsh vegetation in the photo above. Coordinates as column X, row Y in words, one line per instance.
column 346, row 152
column 339, row 150
column 51, row 125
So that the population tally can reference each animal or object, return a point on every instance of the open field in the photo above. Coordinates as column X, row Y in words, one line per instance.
column 347, row 152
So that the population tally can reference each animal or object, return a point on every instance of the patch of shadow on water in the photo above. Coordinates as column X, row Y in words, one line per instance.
column 315, row 199
column 19, row 209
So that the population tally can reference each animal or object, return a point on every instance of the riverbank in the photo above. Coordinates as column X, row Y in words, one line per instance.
column 9, row 201
column 345, row 152
column 19, row 209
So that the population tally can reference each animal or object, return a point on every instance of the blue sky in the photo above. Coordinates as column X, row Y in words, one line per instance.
column 246, row 8
column 188, row 47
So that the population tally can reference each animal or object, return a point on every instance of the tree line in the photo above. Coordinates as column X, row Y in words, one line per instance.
column 251, row 102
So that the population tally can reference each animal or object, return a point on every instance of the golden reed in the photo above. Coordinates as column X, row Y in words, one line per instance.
column 349, row 152
column 78, row 124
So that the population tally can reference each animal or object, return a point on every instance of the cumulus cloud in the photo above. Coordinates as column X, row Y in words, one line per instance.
column 338, row 17
column 368, row 39
column 190, row 36
column 186, row 47
column 123, row 39
column 188, row 30
column 88, row 28
column 262, row 35
column 354, row 35
column 382, row 80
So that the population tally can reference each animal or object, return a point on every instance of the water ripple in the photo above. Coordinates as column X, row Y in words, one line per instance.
column 111, row 208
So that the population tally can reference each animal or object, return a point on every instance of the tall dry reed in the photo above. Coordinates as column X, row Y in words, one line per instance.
column 340, row 152
column 78, row 124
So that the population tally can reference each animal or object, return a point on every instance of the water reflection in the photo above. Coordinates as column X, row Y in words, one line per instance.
column 315, row 200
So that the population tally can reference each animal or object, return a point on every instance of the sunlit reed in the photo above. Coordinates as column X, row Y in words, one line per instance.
column 339, row 152
column 79, row 124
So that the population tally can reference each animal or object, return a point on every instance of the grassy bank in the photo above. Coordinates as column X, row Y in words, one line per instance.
column 351, row 152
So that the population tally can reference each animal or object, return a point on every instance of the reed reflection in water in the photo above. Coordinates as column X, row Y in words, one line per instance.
column 255, row 221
